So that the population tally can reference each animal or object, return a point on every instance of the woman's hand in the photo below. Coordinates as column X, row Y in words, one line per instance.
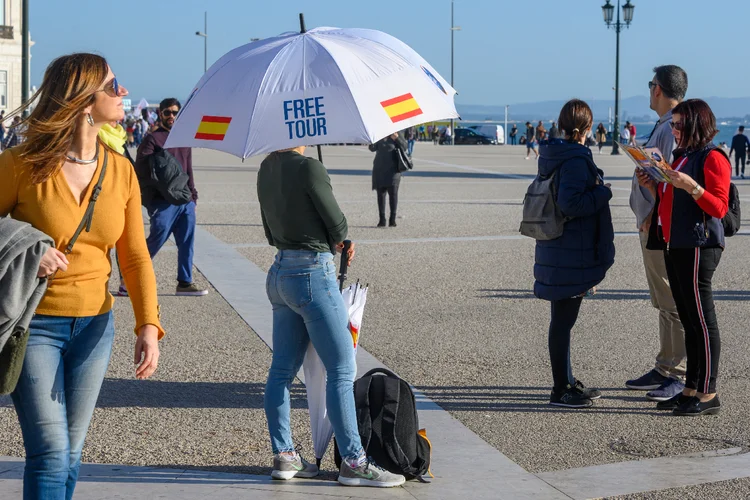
column 682, row 181
column 645, row 181
column 53, row 260
column 146, row 352
column 350, row 255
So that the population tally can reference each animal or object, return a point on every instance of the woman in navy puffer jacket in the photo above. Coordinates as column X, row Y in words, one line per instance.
column 567, row 267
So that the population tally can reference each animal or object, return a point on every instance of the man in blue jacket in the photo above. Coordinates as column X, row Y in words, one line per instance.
column 740, row 145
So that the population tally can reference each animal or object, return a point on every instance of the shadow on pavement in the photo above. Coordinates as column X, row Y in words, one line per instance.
column 608, row 294
column 120, row 393
column 518, row 399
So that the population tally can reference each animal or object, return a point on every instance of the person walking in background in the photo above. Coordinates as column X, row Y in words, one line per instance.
column 71, row 335
column 687, row 228
column 530, row 141
column 385, row 175
column 435, row 135
column 448, row 135
column 165, row 218
column 626, row 133
column 422, row 133
column 13, row 136
column 740, row 145
column 411, row 137
column 633, row 135
column 302, row 219
column 513, row 135
column 667, row 88
column 3, row 130
column 541, row 132
column 601, row 136
column 568, row 267
column 554, row 132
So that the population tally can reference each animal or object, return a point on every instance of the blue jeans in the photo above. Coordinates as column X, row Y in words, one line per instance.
column 308, row 307
column 179, row 220
column 410, row 146
column 63, row 370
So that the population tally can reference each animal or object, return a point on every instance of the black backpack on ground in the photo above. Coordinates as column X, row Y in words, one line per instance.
column 732, row 219
column 163, row 178
column 389, row 425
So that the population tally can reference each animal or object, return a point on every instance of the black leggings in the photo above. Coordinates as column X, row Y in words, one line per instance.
column 690, row 271
column 563, row 317
column 392, row 192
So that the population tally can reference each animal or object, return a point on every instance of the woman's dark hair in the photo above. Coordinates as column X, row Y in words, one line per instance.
column 698, row 124
column 575, row 119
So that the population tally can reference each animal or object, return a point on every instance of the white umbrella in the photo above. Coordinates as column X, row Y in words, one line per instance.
column 323, row 86
column 355, row 297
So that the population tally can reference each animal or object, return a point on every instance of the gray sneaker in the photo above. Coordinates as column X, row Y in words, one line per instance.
column 368, row 474
column 192, row 290
column 286, row 467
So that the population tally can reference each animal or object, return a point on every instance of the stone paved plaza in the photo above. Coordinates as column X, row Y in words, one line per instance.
column 451, row 311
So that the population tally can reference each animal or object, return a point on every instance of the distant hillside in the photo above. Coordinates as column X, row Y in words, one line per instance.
column 635, row 108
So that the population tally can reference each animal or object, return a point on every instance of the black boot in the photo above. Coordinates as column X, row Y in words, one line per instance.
column 381, row 223
column 392, row 221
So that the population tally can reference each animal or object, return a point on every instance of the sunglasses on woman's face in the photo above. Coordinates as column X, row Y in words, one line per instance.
column 169, row 112
column 112, row 89
column 677, row 125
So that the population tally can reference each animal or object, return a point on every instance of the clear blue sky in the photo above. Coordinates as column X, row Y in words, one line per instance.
column 508, row 51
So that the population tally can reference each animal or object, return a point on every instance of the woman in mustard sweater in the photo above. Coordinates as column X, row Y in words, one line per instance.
column 48, row 182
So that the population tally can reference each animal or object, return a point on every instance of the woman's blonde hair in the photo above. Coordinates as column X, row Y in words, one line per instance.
column 70, row 84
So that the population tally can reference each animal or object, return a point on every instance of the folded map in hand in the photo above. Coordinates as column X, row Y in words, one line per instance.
column 650, row 160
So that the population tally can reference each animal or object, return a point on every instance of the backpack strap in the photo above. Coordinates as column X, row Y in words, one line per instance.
column 362, row 404
column 381, row 370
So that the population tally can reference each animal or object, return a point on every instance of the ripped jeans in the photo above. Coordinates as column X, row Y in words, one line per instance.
column 66, row 359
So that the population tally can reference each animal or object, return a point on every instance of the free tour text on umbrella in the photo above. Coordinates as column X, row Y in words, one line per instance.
column 308, row 117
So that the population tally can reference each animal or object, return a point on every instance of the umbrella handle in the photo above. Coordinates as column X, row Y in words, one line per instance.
column 344, row 263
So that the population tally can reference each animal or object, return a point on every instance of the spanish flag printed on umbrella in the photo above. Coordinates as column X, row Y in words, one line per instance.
column 401, row 108
column 213, row 128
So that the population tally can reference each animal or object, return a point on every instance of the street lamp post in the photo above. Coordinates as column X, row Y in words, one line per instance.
column 25, row 56
column 454, row 28
column 627, row 12
column 204, row 34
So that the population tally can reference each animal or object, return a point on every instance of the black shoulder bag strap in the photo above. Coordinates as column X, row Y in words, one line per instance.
column 88, row 217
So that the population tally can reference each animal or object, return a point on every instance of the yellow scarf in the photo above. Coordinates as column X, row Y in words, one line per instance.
column 114, row 137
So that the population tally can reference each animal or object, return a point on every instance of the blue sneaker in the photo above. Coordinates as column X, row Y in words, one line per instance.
column 650, row 381
column 669, row 389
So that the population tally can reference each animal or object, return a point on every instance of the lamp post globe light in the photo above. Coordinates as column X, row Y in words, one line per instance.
column 608, row 10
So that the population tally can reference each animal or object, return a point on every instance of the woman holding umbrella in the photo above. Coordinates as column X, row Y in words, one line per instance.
column 385, row 175
column 302, row 219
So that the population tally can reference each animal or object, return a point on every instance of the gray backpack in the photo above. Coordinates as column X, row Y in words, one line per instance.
column 542, row 218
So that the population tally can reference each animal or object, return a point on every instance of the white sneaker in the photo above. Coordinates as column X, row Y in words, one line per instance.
column 288, row 466
column 368, row 474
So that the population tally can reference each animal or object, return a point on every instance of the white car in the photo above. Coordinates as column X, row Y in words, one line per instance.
column 495, row 132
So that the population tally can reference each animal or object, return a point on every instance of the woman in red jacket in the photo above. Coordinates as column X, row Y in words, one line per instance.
column 687, row 224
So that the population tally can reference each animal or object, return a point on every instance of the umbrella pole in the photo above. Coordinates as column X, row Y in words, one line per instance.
column 320, row 154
